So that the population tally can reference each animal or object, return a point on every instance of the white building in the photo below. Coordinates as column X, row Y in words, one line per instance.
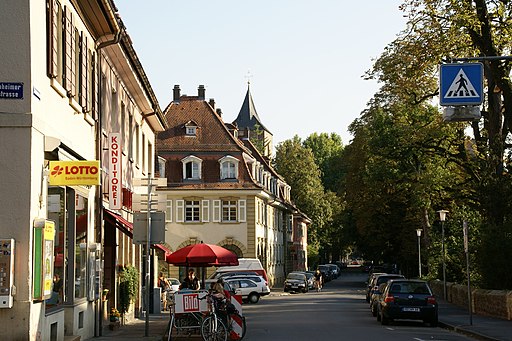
column 69, row 77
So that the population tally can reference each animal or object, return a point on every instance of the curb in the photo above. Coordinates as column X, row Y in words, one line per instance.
column 461, row 330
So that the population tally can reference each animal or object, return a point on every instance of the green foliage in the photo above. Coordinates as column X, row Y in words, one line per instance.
column 128, row 287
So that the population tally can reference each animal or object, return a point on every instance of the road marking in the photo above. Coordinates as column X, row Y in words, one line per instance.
column 388, row 328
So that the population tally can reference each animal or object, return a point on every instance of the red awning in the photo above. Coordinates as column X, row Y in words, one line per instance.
column 122, row 224
column 163, row 248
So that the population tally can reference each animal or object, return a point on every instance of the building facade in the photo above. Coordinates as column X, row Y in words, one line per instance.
column 220, row 189
column 69, row 78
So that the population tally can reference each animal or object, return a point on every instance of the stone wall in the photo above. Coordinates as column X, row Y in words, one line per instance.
column 495, row 303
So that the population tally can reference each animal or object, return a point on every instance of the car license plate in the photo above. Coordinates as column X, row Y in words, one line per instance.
column 416, row 310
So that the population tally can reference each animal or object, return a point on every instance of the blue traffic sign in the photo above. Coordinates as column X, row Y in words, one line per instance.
column 461, row 84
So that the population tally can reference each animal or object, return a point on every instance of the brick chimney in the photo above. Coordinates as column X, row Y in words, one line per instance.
column 212, row 103
column 201, row 92
column 176, row 93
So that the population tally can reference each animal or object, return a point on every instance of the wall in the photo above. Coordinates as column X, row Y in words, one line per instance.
column 495, row 303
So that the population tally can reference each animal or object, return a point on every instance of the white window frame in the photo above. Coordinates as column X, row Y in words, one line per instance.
column 191, row 130
column 232, row 208
column 195, row 161
column 191, row 205
column 226, row 161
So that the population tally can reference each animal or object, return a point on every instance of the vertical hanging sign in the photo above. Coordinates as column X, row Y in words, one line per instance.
column 115, row 183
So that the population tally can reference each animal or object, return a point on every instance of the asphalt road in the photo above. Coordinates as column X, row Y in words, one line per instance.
column 338, row 312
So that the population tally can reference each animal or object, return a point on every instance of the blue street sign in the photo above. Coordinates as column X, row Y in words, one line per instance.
column 10, row 90
column 461, row 84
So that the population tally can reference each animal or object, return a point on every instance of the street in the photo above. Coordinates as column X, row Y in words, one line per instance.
column 338, row 312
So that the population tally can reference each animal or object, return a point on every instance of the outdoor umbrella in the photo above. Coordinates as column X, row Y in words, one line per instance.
column 202, row 255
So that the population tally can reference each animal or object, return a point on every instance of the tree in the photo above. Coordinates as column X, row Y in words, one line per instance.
column 327, row 150
column 297, row 165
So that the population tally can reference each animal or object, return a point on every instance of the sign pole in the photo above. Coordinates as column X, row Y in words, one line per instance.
column 148, row 261
column 465, row 230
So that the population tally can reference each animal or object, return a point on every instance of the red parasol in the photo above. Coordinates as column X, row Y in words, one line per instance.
column 202, row 255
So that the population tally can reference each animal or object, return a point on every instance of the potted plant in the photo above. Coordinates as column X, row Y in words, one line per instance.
column 114, row 318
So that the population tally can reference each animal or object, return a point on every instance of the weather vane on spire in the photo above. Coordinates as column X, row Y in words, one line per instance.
column 249, row 77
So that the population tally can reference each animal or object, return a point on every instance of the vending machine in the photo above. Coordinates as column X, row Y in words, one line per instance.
column 7, row 288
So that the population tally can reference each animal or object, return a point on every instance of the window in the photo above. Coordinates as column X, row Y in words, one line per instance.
column 130, row 136
column 229, row 210
column 191, row 168
column 192, row 210
column 81, row 223
column 190, row 131
column 228, row 167
column 137, row 144
column 55, row 40
column 69, row 209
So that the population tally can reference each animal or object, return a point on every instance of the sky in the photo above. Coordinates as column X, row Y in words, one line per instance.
column 305, row 59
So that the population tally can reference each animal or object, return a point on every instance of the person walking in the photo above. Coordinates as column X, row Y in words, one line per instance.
column 318, row 280
column 164, row 285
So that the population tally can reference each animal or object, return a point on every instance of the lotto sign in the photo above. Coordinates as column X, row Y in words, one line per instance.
column 67, row 173
column 461, row 84
column 189, row 302
column 115, row 184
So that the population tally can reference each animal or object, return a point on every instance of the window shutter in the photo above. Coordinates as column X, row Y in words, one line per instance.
column 216, row 211
column 205, row 211
column 242, row 211
column 83, row 71
column 53, row 38
column 69, row 52
column 95, row 87
column 168, row 211
column 180, row 207
column 195, row 170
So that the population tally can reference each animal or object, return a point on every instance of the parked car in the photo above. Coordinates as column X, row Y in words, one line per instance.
column 296, row 281
column 310, row 276
column 326, row 272
column 371, row 284
column 335, row 271
column 224, row 274
column 250, row 290
column 258, row 279
column 174, row 284
column 407, row 299
column 381, row 279
column 374, row 299
column 246, row 264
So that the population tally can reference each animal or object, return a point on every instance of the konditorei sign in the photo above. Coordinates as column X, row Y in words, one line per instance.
column 115, row 184
column 68, row 173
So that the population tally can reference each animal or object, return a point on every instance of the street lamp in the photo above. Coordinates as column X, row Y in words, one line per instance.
column 418, row 233
column 442, row 217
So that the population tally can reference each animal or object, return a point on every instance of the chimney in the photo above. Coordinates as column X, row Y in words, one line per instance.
column 176, row 93
column 219, row 111
column 201, row 92
column 212, row 103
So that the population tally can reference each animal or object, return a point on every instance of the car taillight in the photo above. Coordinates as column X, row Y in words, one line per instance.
column 389, row 299
column 431, row 300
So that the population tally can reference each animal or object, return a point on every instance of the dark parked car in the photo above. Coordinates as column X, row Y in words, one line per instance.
column 326, row 272
column 378, row 280
column 409, row 300
column 296, row 281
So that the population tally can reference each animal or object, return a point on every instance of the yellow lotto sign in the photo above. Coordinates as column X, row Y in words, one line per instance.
column 86, row 173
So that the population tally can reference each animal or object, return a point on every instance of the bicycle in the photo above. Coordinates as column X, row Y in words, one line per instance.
column 212, row 328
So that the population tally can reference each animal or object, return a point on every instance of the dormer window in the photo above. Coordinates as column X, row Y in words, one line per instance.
column 191, row 128
column 191, row 167
column 228, row 167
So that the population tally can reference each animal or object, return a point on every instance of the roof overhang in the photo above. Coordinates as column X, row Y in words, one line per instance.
column 99, row 17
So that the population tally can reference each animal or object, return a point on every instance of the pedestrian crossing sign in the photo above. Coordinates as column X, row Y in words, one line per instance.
column 461, row 84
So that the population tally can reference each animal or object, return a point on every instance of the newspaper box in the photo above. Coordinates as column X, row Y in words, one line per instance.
column 189, row 302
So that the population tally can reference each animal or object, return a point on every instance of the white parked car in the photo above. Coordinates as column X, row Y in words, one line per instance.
column 174, row 284
column 249, row 289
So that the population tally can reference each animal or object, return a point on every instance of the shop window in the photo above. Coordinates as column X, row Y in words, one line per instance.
column 81, row 223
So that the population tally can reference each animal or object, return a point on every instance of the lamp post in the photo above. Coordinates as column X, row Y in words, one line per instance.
column 442, row 217
column 418, row 233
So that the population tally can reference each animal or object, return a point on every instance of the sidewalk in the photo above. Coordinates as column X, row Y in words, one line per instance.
column 137, row 328
column 484, row 328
